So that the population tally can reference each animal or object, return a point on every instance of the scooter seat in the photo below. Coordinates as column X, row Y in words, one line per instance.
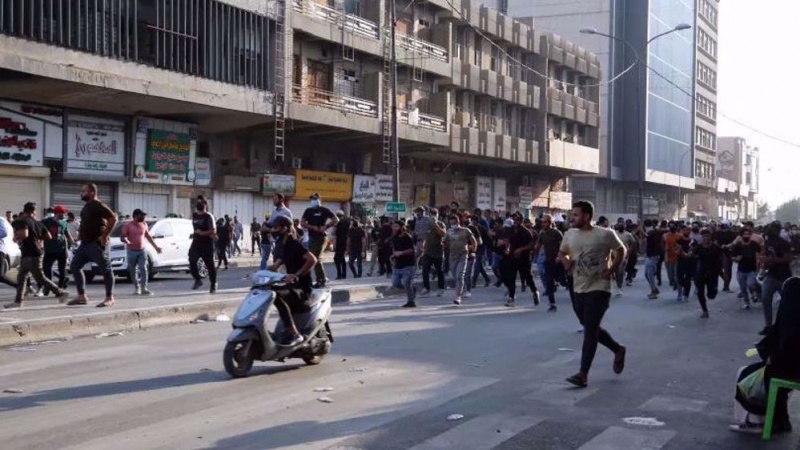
column 317, row 296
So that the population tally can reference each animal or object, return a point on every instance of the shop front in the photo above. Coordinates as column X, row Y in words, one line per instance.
column 28, row 134
column 167, row 175
column 335, row 190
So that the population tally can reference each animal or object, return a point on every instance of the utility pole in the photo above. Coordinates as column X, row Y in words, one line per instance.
column 395, row 138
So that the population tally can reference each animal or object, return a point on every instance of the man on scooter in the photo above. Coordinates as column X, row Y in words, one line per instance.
column 299, row 262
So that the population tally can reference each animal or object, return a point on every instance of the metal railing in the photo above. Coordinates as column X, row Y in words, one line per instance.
column 421, row 46
column 425, row 121
column 209, row 39
column 327, row 99
column 352, row 22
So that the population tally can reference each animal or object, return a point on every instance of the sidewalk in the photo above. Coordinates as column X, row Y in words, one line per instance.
column 49, row 320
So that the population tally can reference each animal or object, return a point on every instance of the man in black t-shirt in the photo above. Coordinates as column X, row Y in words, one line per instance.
column 686, row 267
column 709, row 266
column 518, row 260
column 777, row 269
column 317, row 219
column 255, row 237
column 404, row 265
column 202, row 248
column 29, row 233
column 384, row 245
column 654, row 252
column 298, row 262
column 482, row 236
column 356, row 248
column 724, row 237
column 340, row 245
column 745, row 253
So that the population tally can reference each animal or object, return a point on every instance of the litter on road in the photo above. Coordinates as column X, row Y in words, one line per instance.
column 643, row 421
column 13, row 391
column 454, row 417
column 325, row 400
column 112, row 334
column 323, row 389
column 222, row 318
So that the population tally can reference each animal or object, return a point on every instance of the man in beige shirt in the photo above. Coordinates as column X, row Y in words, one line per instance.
column 592, row 255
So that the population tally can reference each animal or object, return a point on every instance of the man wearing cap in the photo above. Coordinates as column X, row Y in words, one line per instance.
column 28, row 233
column 133, row 235
column 340, row 245
column 55, row 250
column 317, row 220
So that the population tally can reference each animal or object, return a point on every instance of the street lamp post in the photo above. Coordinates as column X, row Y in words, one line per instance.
column 639, row 70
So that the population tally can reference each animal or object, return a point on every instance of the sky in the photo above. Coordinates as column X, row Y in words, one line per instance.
column 757, row 75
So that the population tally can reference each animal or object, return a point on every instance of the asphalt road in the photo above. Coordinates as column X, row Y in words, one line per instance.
column 396, row 376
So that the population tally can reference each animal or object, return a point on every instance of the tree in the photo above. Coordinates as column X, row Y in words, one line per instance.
column 789, row 211
column 763, row 210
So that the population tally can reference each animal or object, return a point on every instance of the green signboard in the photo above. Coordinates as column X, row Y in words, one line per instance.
column 168, row 151
column 395, row 208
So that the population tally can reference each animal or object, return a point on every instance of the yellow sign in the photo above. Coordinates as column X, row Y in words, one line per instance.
column 330, row 186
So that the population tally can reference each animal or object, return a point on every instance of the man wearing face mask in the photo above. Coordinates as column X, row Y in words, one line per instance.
column 745, row 253
column 97, row 221
column 134, row 234
column 298, row 262
column 267, row 245
column 205, row 233
column 317, row 220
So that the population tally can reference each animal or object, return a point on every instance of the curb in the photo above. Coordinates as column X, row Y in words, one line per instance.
column 66, row 327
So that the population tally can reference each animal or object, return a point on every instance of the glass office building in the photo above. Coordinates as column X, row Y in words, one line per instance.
column 669, row 134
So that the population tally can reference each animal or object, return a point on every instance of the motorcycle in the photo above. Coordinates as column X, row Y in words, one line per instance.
column 251, row 339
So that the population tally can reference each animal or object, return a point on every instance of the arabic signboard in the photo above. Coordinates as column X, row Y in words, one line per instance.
column 396, row 208
column 21, row 139
column 525, row 197
column 483, row 193
column 202, row 169
column 275, row 184
column 168, row 152
column 561, row 201
column 331, row 186
column 95, row 146
column 384, row 188
column 499, row 196
column 363, row 189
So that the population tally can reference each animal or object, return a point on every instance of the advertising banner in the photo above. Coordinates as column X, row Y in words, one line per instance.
column 202, row 168
column 167, row 152
column 95, row 145
column 363, row 189
column 483, row 193
column 274, row 184
column 21, row 139
column 384, row 189
column 499, row 194
column 331, row 186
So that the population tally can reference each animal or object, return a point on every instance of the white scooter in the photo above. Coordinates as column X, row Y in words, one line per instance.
column 251, row 339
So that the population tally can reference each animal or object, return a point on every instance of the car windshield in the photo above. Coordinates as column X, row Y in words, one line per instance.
column 117, row 231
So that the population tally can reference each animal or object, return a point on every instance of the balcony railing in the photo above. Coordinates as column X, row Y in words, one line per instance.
column 424, row 47
column 326, row 99
column 351, row 22
column 425, row 121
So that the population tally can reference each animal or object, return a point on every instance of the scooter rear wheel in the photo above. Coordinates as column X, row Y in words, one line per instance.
column 238, row 358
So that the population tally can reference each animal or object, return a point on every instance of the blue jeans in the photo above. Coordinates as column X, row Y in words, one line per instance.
column 769, row 287
column 138, row 259
column 404, row 279
column 650, row 267
column 747, row 284
column 266, row 249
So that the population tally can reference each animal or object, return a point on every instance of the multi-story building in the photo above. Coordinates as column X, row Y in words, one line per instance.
column 160, row 101
column 733, row 197
column 650, row 124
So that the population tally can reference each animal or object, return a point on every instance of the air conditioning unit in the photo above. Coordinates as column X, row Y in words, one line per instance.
column 341, row 167
column 297, row 163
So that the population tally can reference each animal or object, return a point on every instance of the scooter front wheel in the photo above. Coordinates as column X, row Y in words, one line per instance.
column 238, row 358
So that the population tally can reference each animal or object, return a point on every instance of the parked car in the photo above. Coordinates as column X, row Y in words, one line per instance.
column 12, row 250
column 173, row 235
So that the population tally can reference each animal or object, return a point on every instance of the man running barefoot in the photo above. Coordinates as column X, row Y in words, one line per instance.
column 593, row 254
column 97, row 221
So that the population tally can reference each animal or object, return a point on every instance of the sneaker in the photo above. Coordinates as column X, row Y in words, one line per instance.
column 467, row 294
column 535, row 295
column 617, row 294
column 213, row 289
column 197, row 285
column 510, row 304
column 425, row 292
column 652, row 296
column 746, row 306
column 39, row 294
column 552, row 309
column 704, row 315
column 457, row 301
column 146, row 292
column 578, row 380
column 747, row 428
column 137, row 291
column 409, row 305
column 297, row 339
column 13, row 305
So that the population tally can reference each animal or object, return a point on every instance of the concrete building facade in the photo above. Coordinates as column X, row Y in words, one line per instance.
column 160, row 101
column 651, row 127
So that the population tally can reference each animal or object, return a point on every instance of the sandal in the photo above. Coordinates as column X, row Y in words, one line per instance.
column 106, row 303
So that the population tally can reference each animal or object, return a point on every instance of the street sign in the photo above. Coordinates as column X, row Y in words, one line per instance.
column 395, row 208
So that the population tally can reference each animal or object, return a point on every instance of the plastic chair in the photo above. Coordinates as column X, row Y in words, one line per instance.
column 774, row 385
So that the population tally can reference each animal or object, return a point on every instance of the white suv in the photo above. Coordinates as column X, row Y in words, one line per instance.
column 12, row 250
column 171, row 234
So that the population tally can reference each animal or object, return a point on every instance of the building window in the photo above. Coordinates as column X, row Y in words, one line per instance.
column 705, row 138
column 706, row 107
column 708, row 12
column 706, row 43
column 706, row 75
